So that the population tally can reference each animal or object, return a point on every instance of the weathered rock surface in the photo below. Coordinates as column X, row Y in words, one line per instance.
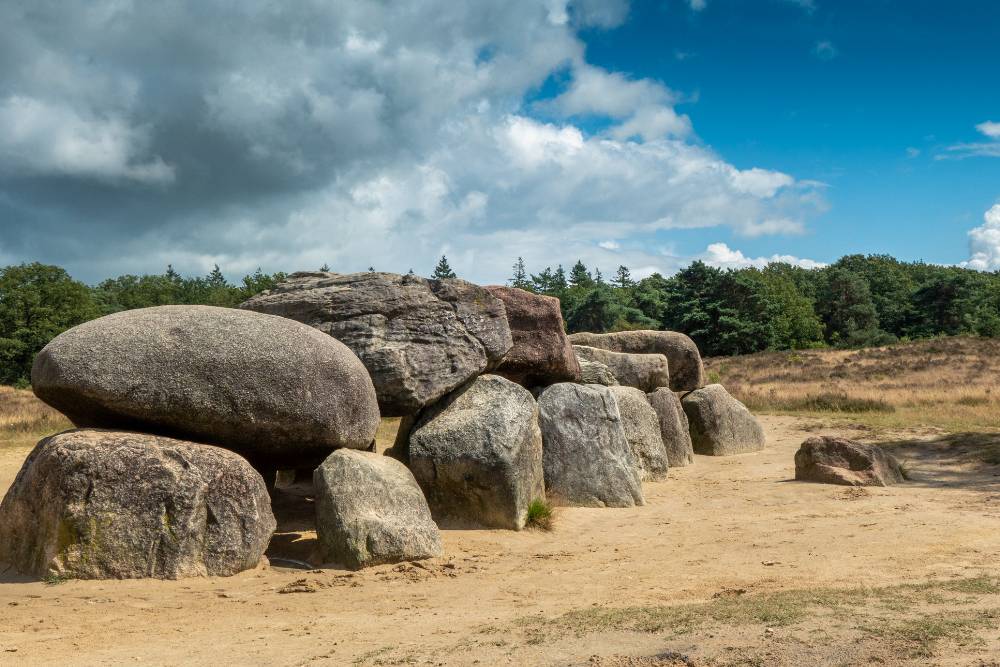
column 542, row 354
column 594, row 372
column 686, row 370
column 721, row 425
column 642, row 430
column 418, row 338
column 645, row 372
column 275, row 391
column 674, row 429
column 370, row 511
column 478, row 454
column 94, row 504
column 586, row 455
column 832, row 460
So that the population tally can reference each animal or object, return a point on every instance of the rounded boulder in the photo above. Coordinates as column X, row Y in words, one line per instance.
column 276, row 391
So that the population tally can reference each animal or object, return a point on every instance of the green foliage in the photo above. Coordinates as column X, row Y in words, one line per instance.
column 37, row 303
column 520, row 277
column 540, row 515
column 443, row 270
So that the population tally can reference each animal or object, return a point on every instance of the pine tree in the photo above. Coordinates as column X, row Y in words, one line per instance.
column 520, row 278
column 172, row 275
column 443, row 270
column 325, row 267
column 215, row 278
column 542, row 283
column 623, row 278
column 598, row 278
column 371, row 269
column 559, row 279
column 579, row 276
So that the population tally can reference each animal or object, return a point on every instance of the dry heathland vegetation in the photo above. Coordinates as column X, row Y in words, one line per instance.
column 729, row 563
column 952, row 384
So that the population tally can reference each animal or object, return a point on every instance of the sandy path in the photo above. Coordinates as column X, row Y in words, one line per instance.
column 722, row 523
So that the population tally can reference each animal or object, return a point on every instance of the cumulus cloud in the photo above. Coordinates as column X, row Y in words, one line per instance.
column 990, row 129
column 984, row 243
column 724, row 257
column 290, row 136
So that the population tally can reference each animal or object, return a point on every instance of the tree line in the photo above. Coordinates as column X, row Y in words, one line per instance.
column 856, row 302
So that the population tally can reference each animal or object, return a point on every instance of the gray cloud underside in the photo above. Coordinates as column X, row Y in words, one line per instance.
column 363, row 133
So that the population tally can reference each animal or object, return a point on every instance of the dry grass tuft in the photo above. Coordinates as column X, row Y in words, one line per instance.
column 948, row 383
column 24, row 417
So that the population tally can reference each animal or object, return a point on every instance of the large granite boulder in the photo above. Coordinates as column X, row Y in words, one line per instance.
column 833, row 460
column 587, row 457
column 594, row 372
column 674, row 429
column 642, row 430
column 686, row 370
column 478, row 454
column 721, row 425
column 370, row 511
column 542, row 354
column 646, row 372
column 94, row 504
column 275, row 391
column 418, row 338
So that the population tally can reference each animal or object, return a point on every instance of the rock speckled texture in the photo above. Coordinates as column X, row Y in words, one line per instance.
column 370, row 511
column 478, row 454
column 594, row 372
column 642, row 430
column 646, row 372
column 542, row 354
column 273, row 390
column 686, row 370
column 587, row 458
column 833, row 460
column 418, row 338
column 674, row 429
column 94, row 504
column 721, row 425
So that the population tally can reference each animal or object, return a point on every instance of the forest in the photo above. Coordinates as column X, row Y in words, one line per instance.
column 859, row 301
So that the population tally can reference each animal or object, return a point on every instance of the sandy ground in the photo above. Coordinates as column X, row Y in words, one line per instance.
column 723, row 524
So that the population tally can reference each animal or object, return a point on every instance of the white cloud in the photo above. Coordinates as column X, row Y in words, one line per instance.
column 44, row 138
column 697, row 5
column 724, row 257
column 984, row 243
column 350, row 134
column 990, row 129
column 825, row 50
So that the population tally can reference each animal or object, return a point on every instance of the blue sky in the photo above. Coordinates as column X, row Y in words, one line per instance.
column 364, row 133
column 872, row 118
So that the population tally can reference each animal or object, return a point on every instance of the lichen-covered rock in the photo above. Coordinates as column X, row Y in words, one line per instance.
column 833, row 460
column 587, row 458
column 721, row 425
column 542, row 354
column 478, row 454
column 370, row 511
column 686, row 370
column 645, row 372
column 418, row 338
column 642, row 430
column 273, row 390
column 94, row 504
column 594, row 372
column 674, row 429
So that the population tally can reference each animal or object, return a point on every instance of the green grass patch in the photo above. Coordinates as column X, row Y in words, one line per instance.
column 540, row 515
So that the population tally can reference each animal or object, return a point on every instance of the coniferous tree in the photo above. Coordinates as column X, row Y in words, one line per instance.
column 325, row 267
column 443, row 270
column 623, row 278
column 520, row 277
column 579, row 276
column 559, row 282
